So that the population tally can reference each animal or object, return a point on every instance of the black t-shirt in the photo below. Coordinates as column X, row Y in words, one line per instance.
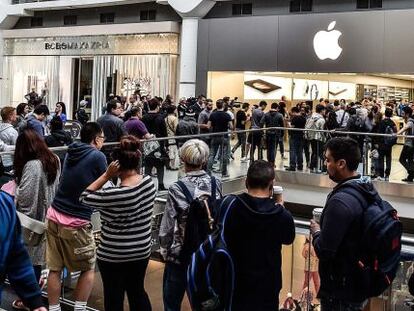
column 241, row 119
column 299, row 123
column 219, row 121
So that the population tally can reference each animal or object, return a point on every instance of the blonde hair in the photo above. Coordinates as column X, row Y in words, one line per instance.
column 194, row 152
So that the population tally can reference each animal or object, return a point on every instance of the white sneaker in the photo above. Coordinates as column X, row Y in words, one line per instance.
column 244, row 159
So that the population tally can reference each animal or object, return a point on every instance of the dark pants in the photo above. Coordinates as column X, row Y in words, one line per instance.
column 38, row 272
column 149, row 163
column 219, row 143
column 317, row 154
column 255, row 141
column 174, row 284
column 384, row 153
column 306, row 145
column 241, row 142
column 272, row 141
column 128, row 277
column 281, row 143
column 296, row 152
column 337, row 305
column 407, row 160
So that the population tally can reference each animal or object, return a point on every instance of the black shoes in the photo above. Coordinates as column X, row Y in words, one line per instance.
column 290, row 169
column 408, row 180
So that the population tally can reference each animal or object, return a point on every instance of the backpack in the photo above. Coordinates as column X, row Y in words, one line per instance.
column 390, row 140
column 82, row 116
column 311, row 124
column 8, row 219
column 200, row 220
column 210, row 274
column 358, row 125
column 380, row 252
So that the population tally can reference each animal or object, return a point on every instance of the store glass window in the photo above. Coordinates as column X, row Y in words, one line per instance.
column 306, row 5
column 107, row 18
column 36, row 22
column 369, row 4
column 300, row 6
column 70, row 20
column 242, row 9
column 148, row 15
column 247, row 9
column 376, row 4
column 294, row 6
column 236, row 9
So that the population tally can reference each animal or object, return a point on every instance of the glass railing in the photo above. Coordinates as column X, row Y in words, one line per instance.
column 299, row 269
column 231, row 153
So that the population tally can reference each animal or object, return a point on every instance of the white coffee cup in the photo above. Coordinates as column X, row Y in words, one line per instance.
column 278, row 194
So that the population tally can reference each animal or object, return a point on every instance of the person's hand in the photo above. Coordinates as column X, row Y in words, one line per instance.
column 40, row 309
column 112, row 170
column 314, row 227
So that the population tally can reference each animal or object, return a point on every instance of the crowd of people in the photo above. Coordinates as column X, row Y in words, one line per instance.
column 64, row 192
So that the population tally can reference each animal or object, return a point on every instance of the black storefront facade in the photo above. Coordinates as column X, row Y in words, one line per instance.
column 376, row 46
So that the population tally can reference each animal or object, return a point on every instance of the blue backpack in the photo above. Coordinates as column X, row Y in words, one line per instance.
column 200, row 219
column 380, row 253
column 210, row 274
column 8, row 219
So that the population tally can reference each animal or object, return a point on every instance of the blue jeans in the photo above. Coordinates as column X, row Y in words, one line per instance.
column 273, row 141
column 174, row 285
column 219, row 143
column 296, row 152
column 338, row 305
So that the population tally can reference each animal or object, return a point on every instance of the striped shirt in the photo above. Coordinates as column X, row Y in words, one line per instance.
column 126, row 214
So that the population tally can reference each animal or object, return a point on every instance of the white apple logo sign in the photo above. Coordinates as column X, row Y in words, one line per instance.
column 325, row 43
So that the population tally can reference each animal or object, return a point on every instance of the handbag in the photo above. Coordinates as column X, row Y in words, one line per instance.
column 33, row 231
column 150, row 147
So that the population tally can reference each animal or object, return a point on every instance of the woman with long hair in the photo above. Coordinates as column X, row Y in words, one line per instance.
column 37, row 172
column 126, row 212
column 22, row 110
column 61, row 111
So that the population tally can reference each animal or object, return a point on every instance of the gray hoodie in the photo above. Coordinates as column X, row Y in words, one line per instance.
column 8, row 133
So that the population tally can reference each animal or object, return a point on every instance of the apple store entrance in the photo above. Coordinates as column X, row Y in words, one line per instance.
column 252, row 87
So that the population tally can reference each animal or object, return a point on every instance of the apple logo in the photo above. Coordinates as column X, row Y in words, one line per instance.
column 325, row 43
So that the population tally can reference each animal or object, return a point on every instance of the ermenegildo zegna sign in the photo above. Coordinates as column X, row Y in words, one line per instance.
column 163, row 43
column 92, row 45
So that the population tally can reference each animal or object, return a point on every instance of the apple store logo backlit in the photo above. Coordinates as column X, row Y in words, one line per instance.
column 325, row 43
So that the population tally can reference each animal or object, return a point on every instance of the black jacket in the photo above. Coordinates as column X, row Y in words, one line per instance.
column 337, row 245
column 255, row 231
column 272, row 119
column 155, row 123
column 58, row 139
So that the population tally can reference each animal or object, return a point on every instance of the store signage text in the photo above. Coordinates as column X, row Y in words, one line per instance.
column 93, row 45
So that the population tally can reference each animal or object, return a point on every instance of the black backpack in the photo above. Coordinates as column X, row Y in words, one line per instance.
column 200, row 220
column 210, row 274
column 391, row 140
column 380, row 251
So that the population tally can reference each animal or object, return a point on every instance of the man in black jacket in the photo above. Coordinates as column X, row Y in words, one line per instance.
column 256, row 228
column 273, row 118
column 155, row 123
column 337, row 239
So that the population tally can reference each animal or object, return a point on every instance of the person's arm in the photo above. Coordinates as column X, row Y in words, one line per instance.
column 404, row 129
column 288, row 234
column 231, row 125
column 20, row 272
column 29, row 184
column 336, row 222
column 166, row 234
column 263, row 121
column 209, row 124
column 95, row 197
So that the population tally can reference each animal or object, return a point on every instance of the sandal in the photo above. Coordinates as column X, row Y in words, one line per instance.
column 19, row 305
